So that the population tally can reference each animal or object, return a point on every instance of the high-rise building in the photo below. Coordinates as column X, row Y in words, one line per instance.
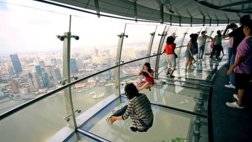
column 57, row 74
column 16, row 63
column 73, row 66
column 45, row 79
column 42, row 76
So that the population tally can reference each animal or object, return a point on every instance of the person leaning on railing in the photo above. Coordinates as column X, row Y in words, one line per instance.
column 138, row 109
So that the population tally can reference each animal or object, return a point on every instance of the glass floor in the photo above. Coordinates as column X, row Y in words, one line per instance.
column 169, row 125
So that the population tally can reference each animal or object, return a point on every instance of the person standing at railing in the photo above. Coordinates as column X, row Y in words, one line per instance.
column 202, row 43
column 242, row 67
column 191, row 50
column 237, row 35
column 169, row 50
column 148, row 74
column 138, row 109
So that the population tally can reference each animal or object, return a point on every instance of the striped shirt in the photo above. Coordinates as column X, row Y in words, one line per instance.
column 139, row 110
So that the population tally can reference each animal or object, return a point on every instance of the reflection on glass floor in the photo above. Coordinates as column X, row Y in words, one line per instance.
column 202, row 69
column 168, row 125
column 192, row 100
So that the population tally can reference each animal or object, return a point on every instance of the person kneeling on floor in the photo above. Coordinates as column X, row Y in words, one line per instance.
column 138, row 109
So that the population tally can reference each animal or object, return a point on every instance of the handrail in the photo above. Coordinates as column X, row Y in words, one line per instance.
column 28, row 103
column 92, row 136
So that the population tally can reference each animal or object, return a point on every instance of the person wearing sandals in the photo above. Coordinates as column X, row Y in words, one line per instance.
column 138, row 109
column 171, row 56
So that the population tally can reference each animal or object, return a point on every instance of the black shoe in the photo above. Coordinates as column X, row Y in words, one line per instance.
column 133, row 129
column 172, row 76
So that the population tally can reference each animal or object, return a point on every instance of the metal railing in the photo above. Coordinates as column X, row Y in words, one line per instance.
column 28, row 103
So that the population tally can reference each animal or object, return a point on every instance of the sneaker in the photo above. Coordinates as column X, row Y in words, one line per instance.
column 233, row 105
column 230, row 86
column 133, row 129
column 172, row 76
column 235, row 97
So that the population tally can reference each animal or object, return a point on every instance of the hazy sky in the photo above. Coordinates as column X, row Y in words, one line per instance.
column 29, row 26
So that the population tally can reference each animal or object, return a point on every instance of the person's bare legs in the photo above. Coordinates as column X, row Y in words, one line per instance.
column 187, row 63
column 190, row 64
column 144, row 86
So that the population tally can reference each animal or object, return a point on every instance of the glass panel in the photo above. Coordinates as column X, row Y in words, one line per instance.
column 132, row 69
column 38, row 122
column 89, row 93
column 194, row 100
column 168, row 125
column 30, row 53
column 156, row 41
column 97, row 47
column 155, row 45
column 130, row 72
column 137, row 43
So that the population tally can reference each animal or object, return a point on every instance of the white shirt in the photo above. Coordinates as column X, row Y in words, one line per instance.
column 202, row 40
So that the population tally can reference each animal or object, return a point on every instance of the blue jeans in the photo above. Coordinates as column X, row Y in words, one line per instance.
column 232, row 76
column 230, row 53
column 201, row 51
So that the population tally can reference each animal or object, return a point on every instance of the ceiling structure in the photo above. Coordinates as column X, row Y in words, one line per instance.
column 167, row 11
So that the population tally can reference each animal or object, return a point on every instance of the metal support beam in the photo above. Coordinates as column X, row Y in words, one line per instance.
column 170, row 19
column 97, row 7
column 151, row 44
column 210, row 19
column 203, row 17
column 204, row 20
column 160, row 46
column 228, row 20
column 191, row 17
column 118, row 59
column 161, row 13
column 66, row 73
column 135, row 10
column 180, row 19
column 217, row 20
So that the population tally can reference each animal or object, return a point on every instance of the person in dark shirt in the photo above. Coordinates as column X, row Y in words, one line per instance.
column 138, row 109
